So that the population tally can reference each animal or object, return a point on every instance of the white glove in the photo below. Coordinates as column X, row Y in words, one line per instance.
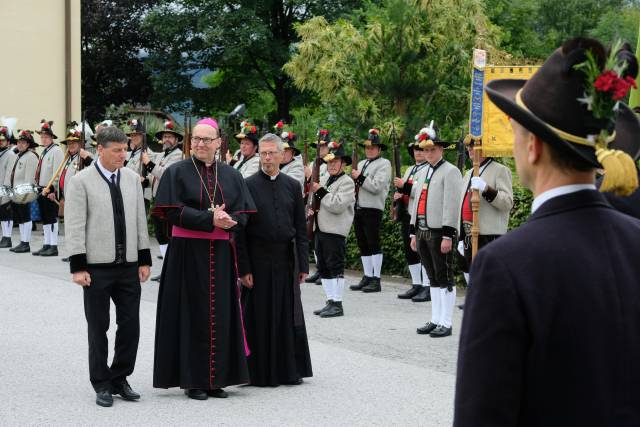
column 477, row 183
column 461, row 248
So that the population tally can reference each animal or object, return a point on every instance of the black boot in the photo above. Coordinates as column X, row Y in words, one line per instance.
column 323, row 309
column 52, row 250
column 315, row 277
column 411, row 292
column 373, row 286
column 441, row 331
column 334, row 311
column 423, row 296
column 42, row 249
column 427, row 329
column 22, row 248
column 5, row 242
column 363, row 282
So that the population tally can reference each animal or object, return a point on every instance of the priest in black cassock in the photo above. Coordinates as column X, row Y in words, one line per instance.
column 273, row 261
column 200, row 344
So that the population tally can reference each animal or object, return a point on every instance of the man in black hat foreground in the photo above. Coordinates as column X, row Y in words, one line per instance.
column 434, row 229
column 50, row 159
column 552, row 320
column 332, row 224
column 155, row 168
column 23, row 171
column 273, row 253
column 372, row 177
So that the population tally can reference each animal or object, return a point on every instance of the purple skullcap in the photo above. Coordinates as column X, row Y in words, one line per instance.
column 208, row 121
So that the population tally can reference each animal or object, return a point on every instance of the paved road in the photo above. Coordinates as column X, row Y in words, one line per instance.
column 370, row 367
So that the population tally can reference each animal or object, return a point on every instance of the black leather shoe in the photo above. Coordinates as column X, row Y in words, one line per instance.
column 218, row 393
column 323, row 309
column 440, row 332
column 104, row 398
column 334, row 311
column 427, row 329
column 423, row 296
column 125, row 391
column 197, row 394
column 160, row 257
column 363, row 282
column 295, row 382
column 313, row 278
column 156, row 278
column 66, row 259
column 22, row 248
column 373, row 285
column 5, row 243
column 42, row 249
column 50, row 251
column 411, row 292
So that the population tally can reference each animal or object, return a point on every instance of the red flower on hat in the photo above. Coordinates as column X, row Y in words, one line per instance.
column 422, row 137
column 333, row 145
column 3, row 130
column 373, row 131
column 609, row 81
column 323, row 132
column 45, row 125
column 291, row 135
column 280, row 124
column 253, row 129
column 169, row 125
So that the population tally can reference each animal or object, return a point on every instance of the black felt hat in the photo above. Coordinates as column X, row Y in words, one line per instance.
column 46, row 128
column 169, row 127
column 323, row 137
column 27, row 135
column 248, row 131
column 337, row 150
column 288, row 139
column 373, row 140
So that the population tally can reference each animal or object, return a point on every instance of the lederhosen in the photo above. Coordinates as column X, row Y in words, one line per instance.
column 366, row 224
column 439, row 266
column 48, row 208
column 464, row 262
column 410, row 255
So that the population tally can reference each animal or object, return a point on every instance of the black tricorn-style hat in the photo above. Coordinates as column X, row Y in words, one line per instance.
column 169, row 127
column 73, row 133
column 288, row 141
column 556, row 105
column 46, row 128
column 248, row 131
column 134, row 126
column 373, row 140
column 324, row 137
column 27, row 135
column 337, row 150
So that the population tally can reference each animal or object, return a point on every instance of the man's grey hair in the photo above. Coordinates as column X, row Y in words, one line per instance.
column 272, row 137
column 109, row 134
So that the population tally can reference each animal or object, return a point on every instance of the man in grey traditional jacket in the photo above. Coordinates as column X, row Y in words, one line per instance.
column 434, row 229
column 248, row 162
column 106, row 237
column 291, row 163
column 155, row 167
column 137, row 134
column 372, row 178
column 23, row 171
column 332, row 224
column 7, row 160
column 50, row 159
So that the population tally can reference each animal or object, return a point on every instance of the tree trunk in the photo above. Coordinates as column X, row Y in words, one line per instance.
column 283, row 98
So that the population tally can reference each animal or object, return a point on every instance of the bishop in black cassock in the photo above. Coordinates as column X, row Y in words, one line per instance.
column 200, row 343
column 273, row 250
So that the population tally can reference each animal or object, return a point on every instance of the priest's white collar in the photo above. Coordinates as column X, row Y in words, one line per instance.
column 558, row 191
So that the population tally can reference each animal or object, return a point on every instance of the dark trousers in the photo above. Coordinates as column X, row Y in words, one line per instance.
column 439, row 266
column 21, row 213
column 120, row 284
column 411, row 256
column 366, row 225
column 48, row 210
column 161, row 228
column 330, row 250
column 464, row 262
column 6, row 213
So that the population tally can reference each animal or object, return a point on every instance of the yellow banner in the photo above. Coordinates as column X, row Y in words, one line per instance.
column 497, row 139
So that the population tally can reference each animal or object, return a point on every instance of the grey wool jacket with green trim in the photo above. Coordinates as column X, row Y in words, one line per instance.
column 336, row 205
column 374, row 183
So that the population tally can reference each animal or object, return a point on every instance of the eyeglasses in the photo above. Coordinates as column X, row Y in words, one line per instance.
column 195, row 140
column 268, row 153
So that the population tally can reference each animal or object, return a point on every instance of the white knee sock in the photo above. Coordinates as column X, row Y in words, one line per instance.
column 414, row 271
column 7, row 227
column 53, row 238
column 315, row 257
column 449, row 299
column 163, row 250
column 435, row 305
column 338, row 289
column 47, row 234
column 425, row 278
column 367, row 265
column 466, row 278
column 377, row 264
column 25, row 232
column 327, row 285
